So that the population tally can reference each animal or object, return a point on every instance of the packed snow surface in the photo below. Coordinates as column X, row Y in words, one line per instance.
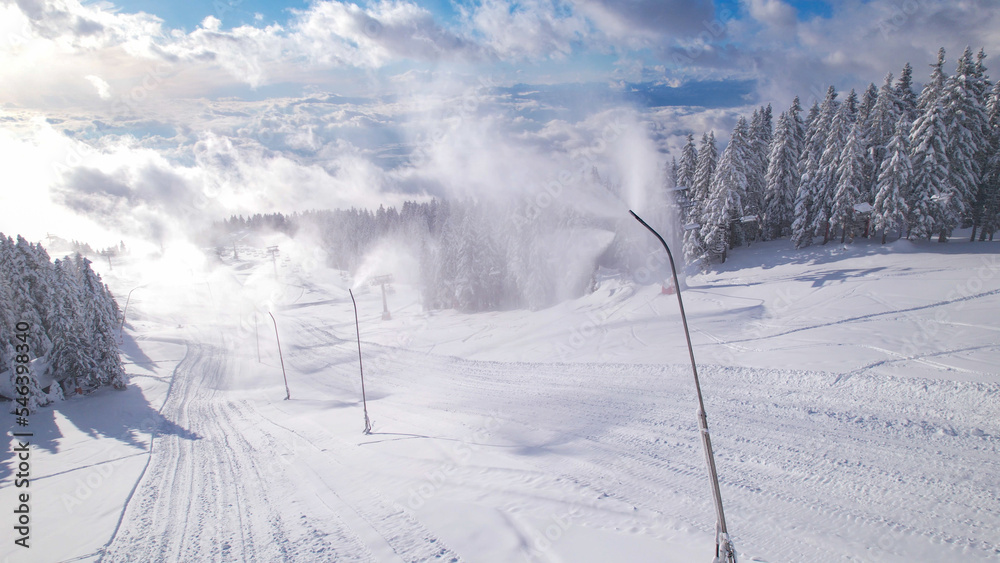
column 853, row 397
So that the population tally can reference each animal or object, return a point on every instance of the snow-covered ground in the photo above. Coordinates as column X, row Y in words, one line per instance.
column 853, row 394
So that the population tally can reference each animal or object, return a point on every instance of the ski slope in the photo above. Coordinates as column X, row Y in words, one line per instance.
column 853, row 397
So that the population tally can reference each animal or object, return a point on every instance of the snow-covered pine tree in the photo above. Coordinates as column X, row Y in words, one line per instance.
column 18, row 277
column 934, row 88
column 809, row 168
column 812, row 116
column 850, row 177
column 879, row 128
column 9, row 317
column 442, row 294
column 106, row 319
column 829, row 165
column 708, row 156
column 69, row 364
column 991, row 205
column 26, row 309
column 890, row 209
column 867, row 105
column 761, row 132
column 979, row 86
column 694, row 237
column 39, row 278
column 688, row 164
column 725, row 205
column 906, row 98
column 783, row 174
column 928, row 154
column 966, row 121
column 865, row 110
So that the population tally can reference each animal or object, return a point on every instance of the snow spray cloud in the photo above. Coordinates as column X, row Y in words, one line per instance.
column 393, row 256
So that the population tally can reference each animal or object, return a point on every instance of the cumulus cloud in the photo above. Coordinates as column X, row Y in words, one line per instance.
column 654, row 20
column 102, row 87
column 527, row 30
column 861, row 42
column 774, row 13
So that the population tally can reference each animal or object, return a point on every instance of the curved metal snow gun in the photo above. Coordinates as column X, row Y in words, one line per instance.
column 288, row 394
column 724, row 550
column 357, row 327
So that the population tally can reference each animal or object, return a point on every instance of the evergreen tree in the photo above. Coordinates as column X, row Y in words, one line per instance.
column 967, row 122
column 868, row 100
column 728, row 190
column 991, row 198
column 890, row 209
column 850, row 177
column 25, row 308
column 69, row 363
column 934, row 88
column 783, row 175
column 708, row 155
column 928, row 146
column 829, row 165
column 810, row 181
column 694, row 240
column 106, row 318
column 688, row 165
column 966, row 98
column 879, row 128
column 906, row 98
column 12, row 312
column 760, row 135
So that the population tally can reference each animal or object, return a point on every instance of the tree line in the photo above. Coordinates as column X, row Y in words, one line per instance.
column 472, row 255
column 887, row 163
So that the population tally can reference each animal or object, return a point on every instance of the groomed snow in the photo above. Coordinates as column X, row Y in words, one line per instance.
column 853, row 397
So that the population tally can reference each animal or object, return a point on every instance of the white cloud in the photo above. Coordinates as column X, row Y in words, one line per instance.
column 774, row 13
column 102, row 87
column 530, row 29
column 211, row 23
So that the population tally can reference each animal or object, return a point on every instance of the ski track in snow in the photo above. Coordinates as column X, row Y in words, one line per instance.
column 211, row 495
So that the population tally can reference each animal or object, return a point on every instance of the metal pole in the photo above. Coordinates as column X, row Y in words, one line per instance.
column 364, row 401
column 385, row 306
column 125, row 310
column 288, row 394
column 724, row 551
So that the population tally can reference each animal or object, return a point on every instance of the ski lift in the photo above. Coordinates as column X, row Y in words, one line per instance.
column 383, row 281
